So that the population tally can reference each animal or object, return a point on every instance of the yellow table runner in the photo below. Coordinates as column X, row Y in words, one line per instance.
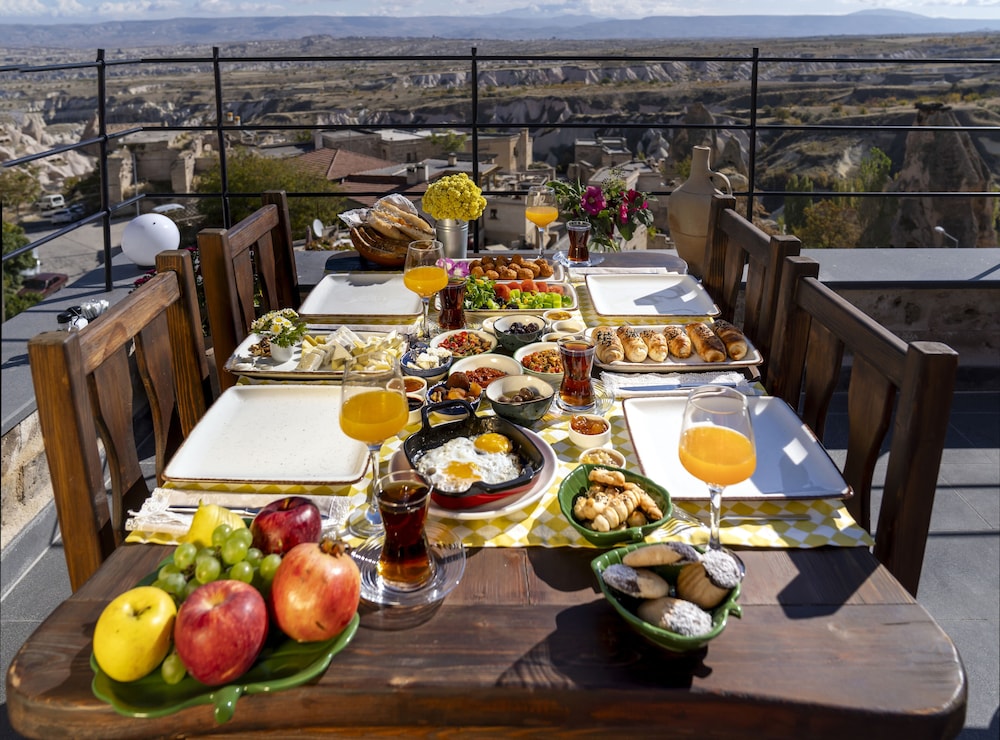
column 781, row 524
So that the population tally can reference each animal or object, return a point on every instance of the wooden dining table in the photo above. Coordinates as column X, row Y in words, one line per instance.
column 829, row 645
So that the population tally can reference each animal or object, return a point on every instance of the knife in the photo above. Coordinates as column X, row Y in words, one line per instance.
column 673, row 387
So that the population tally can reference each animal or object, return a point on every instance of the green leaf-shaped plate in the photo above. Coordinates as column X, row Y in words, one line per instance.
column 284, row 664
column 666, row 639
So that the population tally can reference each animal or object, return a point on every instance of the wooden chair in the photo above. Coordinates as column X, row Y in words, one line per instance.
column 86, row 389
column 735, row 245
column 252, row 262
column 913, row 382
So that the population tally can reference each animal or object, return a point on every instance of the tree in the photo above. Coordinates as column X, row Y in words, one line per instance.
column 251, row 173
column 447, row 143
column 13, row 239
column 830, row 224
column 875, row 215
column 18, row 187
column 795, row 206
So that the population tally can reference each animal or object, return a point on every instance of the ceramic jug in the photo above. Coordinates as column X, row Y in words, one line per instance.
column 689, row 208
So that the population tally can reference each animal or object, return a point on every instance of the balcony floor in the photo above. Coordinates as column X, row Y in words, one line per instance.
column 961, row 592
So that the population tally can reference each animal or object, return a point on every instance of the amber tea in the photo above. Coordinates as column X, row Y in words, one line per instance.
column 576, row 390
column 404, row 563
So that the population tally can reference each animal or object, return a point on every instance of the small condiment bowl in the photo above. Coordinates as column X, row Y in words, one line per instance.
column 589, row 430
column 504, row 328
column 520, row 412
column 415, row 402
column 570, row 326
column 557, row 314
column 409, row 366
column 553, row 379
column 602, row 456
column 552, row 336
column 415, row 385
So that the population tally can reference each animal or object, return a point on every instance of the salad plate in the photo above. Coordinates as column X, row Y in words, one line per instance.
column 480, row 302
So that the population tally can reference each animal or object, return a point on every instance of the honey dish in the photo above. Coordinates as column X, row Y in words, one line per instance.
column 649, row 589
column 589, row 430
column 642, row 498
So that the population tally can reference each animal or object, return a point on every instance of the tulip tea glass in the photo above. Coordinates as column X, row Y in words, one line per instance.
column 579, row 235
column 717, row 445
column 540, row 208
column 576, row 390
column 405, row 562
column 373, row 407
column 424, row 273
column 452, row 300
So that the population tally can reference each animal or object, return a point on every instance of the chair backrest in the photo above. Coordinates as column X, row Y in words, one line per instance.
column 736, row 245
column 96, row 384
column 908, row 386
column 249, row 263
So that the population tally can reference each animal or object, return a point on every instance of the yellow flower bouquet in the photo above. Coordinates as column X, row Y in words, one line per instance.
column 456, row 197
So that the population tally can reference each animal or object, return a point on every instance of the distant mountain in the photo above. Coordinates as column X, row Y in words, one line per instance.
column 511, row 26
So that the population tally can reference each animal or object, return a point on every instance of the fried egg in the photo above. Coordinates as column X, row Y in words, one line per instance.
column 462, row 461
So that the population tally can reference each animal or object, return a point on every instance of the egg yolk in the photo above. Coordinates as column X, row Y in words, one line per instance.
column 462, row 470
column 493, row 442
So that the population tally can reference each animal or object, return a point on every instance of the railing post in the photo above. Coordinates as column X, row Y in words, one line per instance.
column 102, row 132
column 475, row 140
column 752, row 154
column 223, row 170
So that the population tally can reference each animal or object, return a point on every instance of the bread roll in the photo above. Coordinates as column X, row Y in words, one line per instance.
column 635, row 348
column 408, row 223
column 677, row 341
column 378, row 221
column 708, row 346
column 656, row 344
column 733, row 338
column 609, row 347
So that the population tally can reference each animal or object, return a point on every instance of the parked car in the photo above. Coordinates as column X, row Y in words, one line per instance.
column 62, row 216
column 43, row 284
column 77, row 209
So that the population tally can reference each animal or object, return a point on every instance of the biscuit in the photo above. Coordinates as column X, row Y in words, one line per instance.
column 638, row 582
column 676, row 615
column 662, row 553
column 708, row 583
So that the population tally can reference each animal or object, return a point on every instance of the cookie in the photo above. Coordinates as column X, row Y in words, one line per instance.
column 638, row 582
column 676, row 615
column 708, row 583
column 662, row 553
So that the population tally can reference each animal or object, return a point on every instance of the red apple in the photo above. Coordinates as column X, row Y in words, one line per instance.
column 316, row 591
column 220, row 630
column 285, row 523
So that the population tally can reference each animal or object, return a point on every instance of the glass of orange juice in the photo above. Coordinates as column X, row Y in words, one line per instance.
column 717, row 445
column 424, row 273
column 540, row 208
column 373, row 407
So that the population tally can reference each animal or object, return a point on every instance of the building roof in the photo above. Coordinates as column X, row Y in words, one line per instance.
column 338, row 164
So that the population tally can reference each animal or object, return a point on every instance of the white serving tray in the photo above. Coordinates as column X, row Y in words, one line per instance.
column 242, row 363
column 649, row 295
column 271, row 434
column 675, row 364
column 360, row 294
column 791, row 462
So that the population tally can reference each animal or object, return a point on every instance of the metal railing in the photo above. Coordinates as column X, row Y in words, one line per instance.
column 472, row 125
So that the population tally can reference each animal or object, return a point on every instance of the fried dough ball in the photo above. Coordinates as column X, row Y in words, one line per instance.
column 493, row 274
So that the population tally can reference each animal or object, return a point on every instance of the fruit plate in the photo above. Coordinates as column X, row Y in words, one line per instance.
column 626, row 605
column 282, row 664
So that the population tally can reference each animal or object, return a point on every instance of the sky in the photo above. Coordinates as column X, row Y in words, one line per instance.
column 93, row 11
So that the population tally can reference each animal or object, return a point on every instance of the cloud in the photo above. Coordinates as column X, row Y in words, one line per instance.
column 62, row 8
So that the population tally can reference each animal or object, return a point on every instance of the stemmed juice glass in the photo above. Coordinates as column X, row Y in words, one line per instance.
column 373, row 408
column 717, row 445
column 424, row 275
column 540, row 208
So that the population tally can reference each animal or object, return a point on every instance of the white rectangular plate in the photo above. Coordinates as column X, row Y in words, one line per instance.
column 283, row 434
column 241, row 362
column 649, row 295
column 360, row 294
column 791, row 462
column 675, row 364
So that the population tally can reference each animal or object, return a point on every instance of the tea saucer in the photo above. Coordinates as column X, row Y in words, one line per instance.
column 603, row 399
column 594, row 260
column 448, row 560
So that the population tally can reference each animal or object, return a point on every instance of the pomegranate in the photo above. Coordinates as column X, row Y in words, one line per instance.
column 316, row 591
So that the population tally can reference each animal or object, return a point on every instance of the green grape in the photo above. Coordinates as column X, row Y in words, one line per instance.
column 160, row 584
column 233, row 551
column 268, row 567
column 168, row 569
column 203, row 551
column 219, row 534
column 207, row 568
column 185, row 554
column 172, row 668
column 241, row 571
column 174, row 583
column 254, row 556
column 242, row 534
column 190, row 588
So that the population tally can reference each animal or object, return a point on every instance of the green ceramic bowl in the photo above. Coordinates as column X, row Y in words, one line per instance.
column 626, row 606
column 577, row 482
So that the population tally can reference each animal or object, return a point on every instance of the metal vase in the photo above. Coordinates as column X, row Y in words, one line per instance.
column 453, row 233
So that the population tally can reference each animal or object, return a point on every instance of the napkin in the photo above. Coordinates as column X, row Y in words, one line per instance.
column 626, row 385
